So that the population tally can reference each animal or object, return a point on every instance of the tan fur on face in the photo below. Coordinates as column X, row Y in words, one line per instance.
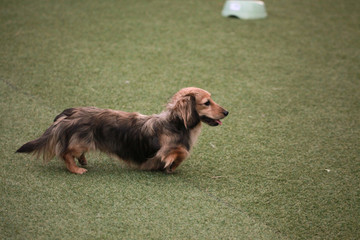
column 214, row 110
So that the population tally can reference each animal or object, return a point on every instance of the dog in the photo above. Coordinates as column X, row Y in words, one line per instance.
column 156, row 142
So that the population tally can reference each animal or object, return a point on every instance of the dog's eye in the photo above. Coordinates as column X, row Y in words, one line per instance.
column 207, row 103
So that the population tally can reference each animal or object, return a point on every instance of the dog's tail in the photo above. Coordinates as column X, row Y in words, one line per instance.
column 45, row 145
column 55, row 140
column 42, row 147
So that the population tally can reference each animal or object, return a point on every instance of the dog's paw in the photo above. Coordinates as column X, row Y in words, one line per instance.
column 169, row 170
column 79, row 170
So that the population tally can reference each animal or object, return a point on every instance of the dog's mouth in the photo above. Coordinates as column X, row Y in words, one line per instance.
column 210, row 121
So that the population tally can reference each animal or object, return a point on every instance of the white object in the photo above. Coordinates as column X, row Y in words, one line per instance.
column 244, row 9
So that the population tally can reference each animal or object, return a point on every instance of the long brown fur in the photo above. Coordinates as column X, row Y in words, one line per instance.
column 156, row 142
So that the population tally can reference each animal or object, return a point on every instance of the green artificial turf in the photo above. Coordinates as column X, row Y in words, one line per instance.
column 284, row 165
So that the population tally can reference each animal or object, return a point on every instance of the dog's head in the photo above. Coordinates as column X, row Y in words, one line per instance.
column 193, row 105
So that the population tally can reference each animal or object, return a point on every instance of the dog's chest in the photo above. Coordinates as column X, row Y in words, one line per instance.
column 194, row 134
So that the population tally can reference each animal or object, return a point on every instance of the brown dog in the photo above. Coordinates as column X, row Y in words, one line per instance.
column 157, row 142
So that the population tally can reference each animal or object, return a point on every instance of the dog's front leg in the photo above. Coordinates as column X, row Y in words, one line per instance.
column 174, row 159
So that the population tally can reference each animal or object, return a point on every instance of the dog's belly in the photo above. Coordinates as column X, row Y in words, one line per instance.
column 137, row 151
column 127, row 143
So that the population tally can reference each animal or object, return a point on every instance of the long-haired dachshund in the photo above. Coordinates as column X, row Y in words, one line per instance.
column 156, row 142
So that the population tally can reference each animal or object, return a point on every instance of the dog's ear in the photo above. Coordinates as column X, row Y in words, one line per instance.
column 185, row 108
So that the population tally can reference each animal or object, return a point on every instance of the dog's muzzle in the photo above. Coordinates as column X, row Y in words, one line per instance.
column 213, row 122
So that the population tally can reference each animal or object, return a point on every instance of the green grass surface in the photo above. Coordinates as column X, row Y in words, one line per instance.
column 284, row 165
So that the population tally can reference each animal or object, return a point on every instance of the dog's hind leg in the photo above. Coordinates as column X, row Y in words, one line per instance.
column 71, row 165
column 174, row 159
column 82, row 159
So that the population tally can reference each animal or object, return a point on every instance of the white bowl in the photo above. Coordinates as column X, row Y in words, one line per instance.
column 244, row 9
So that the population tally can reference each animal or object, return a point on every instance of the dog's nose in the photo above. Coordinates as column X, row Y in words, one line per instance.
column 225, row 113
